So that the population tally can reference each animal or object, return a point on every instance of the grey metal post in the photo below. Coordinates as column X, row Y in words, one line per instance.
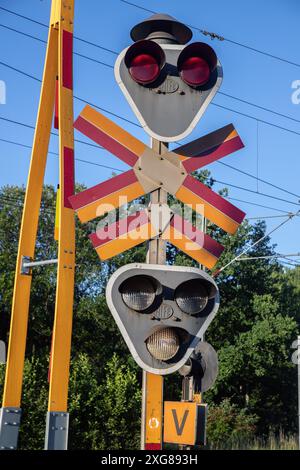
column 10, row 418
column 57, row 427
column 156, row 255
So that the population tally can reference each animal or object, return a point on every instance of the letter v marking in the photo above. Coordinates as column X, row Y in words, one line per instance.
column 179, row 428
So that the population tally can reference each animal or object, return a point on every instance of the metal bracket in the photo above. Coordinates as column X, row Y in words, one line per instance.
column 27, row 264
column 10, row 419
column 57, row 429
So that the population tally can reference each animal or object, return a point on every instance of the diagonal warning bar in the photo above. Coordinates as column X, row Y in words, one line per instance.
column 150, row 171
column 210, row 148
column 123, row 235
column 192, row 241
column 208, row 203
column 107, row 196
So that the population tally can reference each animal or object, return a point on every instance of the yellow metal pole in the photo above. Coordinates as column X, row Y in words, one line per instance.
column 19, row 318
column 57, row 416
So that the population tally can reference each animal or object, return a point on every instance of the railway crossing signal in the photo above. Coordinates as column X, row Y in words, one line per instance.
column 162, row 312
column 150, row 171
column 168, row 85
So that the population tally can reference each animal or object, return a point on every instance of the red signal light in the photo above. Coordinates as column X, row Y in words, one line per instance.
column 197, row 64
column 144, row 61
column 144, row 68
column 195, row 71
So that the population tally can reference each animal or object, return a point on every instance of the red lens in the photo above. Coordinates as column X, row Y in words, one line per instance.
column 195, row 71
column 144, row 68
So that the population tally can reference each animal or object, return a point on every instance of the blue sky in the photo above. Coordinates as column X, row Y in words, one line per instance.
column 270, row 26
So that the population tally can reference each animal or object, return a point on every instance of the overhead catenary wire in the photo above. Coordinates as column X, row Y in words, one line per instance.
column 213, row 103
column 57, row 154
column 119, row 170
column 135, row 124
column 236, row 258
column 270, row 216
column 259, row 179
column 83, row 56
column 252, row 191
column 275, row 256
column 44, row 25
column 221, row 38
column 111, row 66
column 255, row 204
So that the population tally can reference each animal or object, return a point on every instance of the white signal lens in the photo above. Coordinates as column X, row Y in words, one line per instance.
column 163, row 344
column 191, row 296
column 138, row 293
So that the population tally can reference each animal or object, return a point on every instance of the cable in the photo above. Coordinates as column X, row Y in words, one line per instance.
column 47, row 26
column 259, row 179
column 57, row 154
column 255, row 204
column 290, row 217
column 254, row 192
column 256, row 119
column 221, row 38
column 110, row 66
column 45, row 42
column 270, row 216
column 275, row 256
column 117, row 169
column 138, row 125
column 135, row 124
column 28, row 126
column 258, row 106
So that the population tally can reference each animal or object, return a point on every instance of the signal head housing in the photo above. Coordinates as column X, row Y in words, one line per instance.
column 160, row 314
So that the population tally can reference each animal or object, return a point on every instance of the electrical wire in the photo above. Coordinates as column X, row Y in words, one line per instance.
column 221, row 38
column 105, row 64
column 110, row 66
column 270, row 216
column 138, row 125
column 254, row 204
column 254, row 192
column 29, row 126
column 47, row 26
column 135, row 124
column 219, row 271
column 259, row 179
column 118, row 169
column 57, row 154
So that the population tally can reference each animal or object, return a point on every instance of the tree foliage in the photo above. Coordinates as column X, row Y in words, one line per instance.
column 253, row 332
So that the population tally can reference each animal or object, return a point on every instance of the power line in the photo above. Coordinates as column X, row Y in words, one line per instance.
column 269, row 216
column 258, row 179
column 263, row 121
column 135, row 124
column 275, row 256
column 117, row 169
column 221, row 38
column 263, row 108
column 110, row 66
column 105, row 64
column 29, row 126
column 57, row 154
column 47, row 26
column 255, row 204
column 254, row 192
column 266, row 235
